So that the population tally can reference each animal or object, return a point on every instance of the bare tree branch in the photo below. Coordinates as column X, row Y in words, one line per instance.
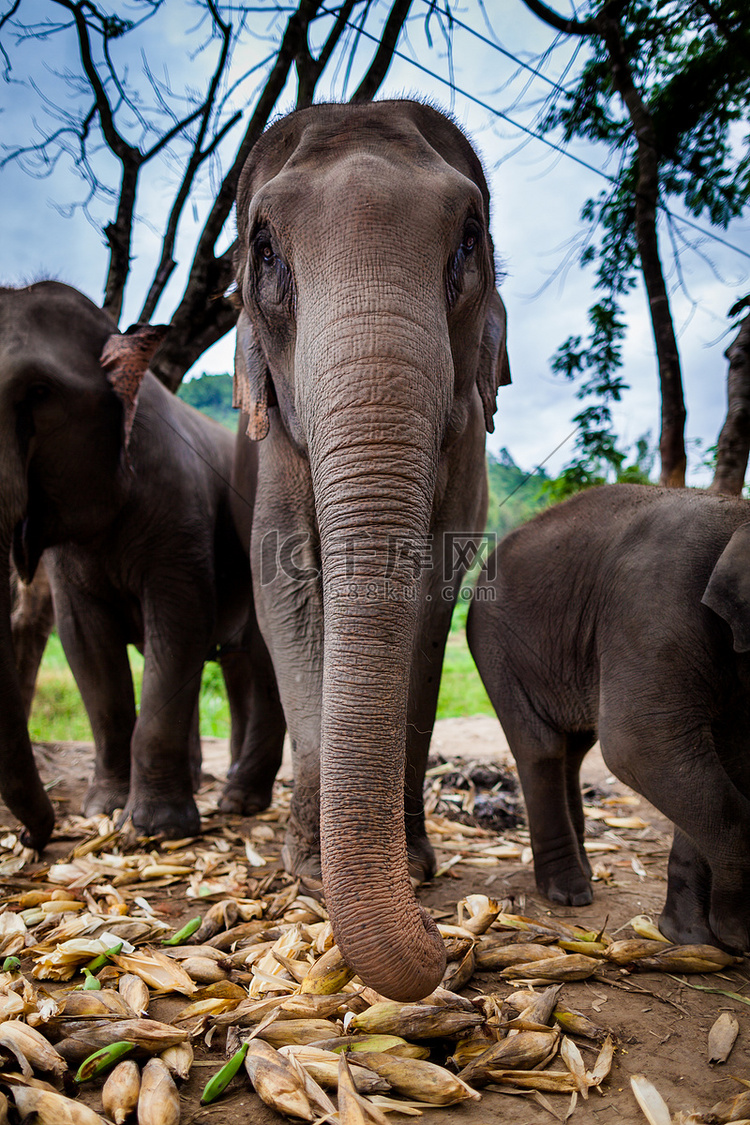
column 378, row 69
column 166, row 261
column 309, row 69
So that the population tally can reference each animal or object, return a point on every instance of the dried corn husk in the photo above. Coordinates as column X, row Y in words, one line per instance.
column 633, row 949
column 572, row 966
column 81, row 1004
column 655, row 1109
column 328, row 974
column 158, row 1100
column 281, row 1032
column 30, row 1048
column 179, row 1059
column 149, row 1036
column 476, row 913
column 52, row 1108
column 458, row 973
column 721, row 1037
column 324, row 1068
column 203, row 970
column 135, row 993
column 120, row 1091
column 645, row 928
column 422, row 1081
column 414, row 1021
column 221, row 916
column 687, row 959
column 500, row 955
column 157, row 970
column 523, row 1050
column 730, row 1109
column 389, row 1044
column 276, row 1081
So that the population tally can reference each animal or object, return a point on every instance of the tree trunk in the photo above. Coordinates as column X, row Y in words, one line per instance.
column 734, row 440
column 673, row 414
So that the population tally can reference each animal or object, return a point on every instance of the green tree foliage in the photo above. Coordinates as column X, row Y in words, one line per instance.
column 212, row 395
column 666, row 82
column 515, row 496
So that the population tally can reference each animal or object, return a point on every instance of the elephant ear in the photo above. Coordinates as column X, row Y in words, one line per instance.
column 494, row 369
column 125, row 360
column 251, row 378
column 728, row 589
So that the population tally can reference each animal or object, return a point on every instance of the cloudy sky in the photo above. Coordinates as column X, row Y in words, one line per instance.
column 537, row 199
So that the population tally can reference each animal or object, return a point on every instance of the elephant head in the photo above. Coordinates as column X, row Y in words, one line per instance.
column 63, row 438
column 371, row 336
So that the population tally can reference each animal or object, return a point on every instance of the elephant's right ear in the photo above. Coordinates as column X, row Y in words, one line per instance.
column 728, row 589
column 125, row 360
column 494, row 369
column 250, row 380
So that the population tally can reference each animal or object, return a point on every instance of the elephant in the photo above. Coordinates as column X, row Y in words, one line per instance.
column 125, row 489
column 370, row 346
column 624, row 612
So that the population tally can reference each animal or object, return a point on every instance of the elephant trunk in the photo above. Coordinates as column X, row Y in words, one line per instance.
column 374, row 467
column 20, row 785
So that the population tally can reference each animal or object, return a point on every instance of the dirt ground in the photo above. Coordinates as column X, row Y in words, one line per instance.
column 660, row 1023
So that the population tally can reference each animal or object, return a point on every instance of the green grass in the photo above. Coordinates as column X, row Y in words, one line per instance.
column 58, row 714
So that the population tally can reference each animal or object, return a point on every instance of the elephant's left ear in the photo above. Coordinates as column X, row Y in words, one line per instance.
column 494, row 369
column 125, row 360
column 728, row 589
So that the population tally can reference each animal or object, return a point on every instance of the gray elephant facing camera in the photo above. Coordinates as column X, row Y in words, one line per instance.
column 370, row 347
column 625, row 613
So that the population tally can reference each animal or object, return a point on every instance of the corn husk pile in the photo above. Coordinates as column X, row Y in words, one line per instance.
column 103, row 1020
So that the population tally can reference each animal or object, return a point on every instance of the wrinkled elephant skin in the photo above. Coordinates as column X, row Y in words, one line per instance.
column 370, row 347
column 625, row 613
column 126, row 491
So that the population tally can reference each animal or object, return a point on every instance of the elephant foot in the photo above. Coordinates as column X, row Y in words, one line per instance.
column 105, row 795
column 239, row 802
column 37, row 834
column 171, row 819
column 421, row 857
column 570, row 887
column 300, row 857
column 683, row 929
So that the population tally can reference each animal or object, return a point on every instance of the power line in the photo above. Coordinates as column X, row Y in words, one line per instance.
column 564, row 90
column 540, row 137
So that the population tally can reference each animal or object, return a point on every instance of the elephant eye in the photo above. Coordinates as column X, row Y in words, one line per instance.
column 470, row 239
column 263, row 249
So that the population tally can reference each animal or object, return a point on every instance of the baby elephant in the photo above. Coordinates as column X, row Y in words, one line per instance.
column 126, row 490
column 625, row 613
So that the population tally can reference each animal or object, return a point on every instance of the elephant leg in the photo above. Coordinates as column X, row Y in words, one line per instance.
column 161, row 786
column 96, row 649
column 684, row 918
column 553, row 801
column 578, row 747
column 258, row 726
column 31, row 624
column 664, row 752
column 427, row 666
column 285, row 564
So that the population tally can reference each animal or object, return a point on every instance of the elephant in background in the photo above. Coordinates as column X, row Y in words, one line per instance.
column 625, row 613
column 370, row 346
column 125, row 489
